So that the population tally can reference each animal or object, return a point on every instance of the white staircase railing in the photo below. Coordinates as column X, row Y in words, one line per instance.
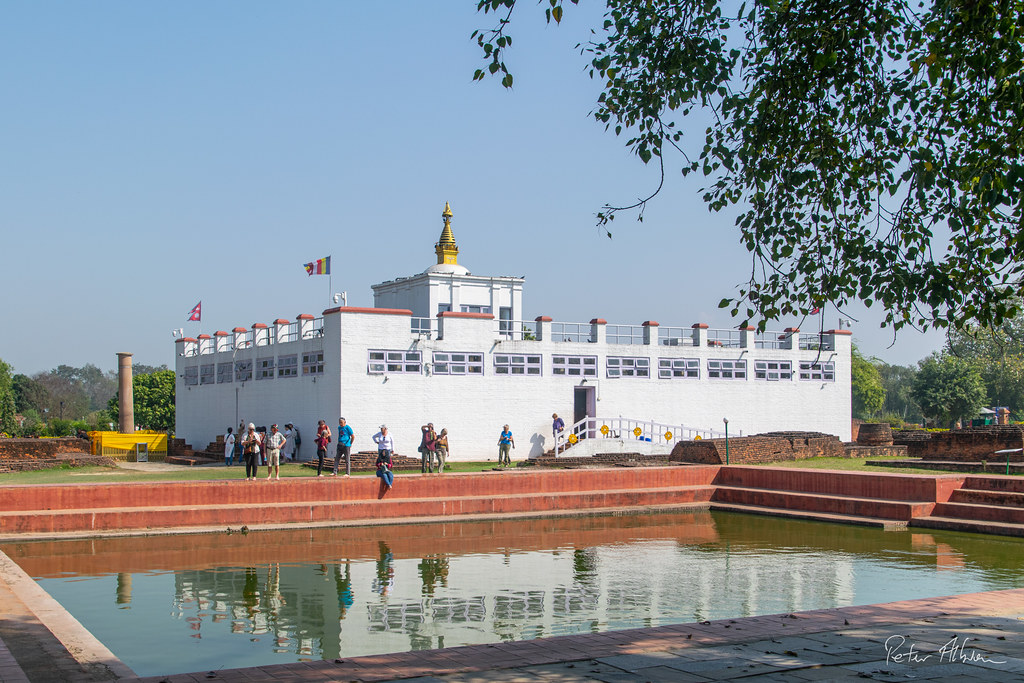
column 630, row 429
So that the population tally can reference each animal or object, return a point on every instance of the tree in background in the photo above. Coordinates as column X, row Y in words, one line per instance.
column 866, row 386
column 7, row 423
column 998, row 355
column 948, row 388
column 873, row 150
column 29, row 395
column 154, row 400
column 898, row 383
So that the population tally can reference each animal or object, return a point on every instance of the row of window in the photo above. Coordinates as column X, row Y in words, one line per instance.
column 383, row 361
column 465, row 363
column 265, row 368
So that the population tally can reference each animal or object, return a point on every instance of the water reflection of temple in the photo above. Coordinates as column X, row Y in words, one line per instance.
column 345, row 591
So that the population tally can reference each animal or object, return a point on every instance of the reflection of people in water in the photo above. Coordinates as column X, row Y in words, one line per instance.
column 433, row 568
column 344, row 585
column 251, row 591
column 385, row 580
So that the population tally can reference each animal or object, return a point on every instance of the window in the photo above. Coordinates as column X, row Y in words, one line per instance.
column 773, row 370
column 224, row 373
column 574, row 366
column 727, row 369
column 444, row 308
column 313, row 363
column 264, row 368
column 628, row 366
column 192, row 375
column 288, row 366
column 505, row 318
column 243, row 370
column 515, row 364
column 821, row 372
column 679, row 368
column 403, row 362
column 475, row 309
column 452, row 363
column 207, row 373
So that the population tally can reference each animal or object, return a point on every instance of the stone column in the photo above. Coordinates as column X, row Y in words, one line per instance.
column 126, row 397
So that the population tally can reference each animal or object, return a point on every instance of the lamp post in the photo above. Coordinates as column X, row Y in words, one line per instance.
column 726, row 421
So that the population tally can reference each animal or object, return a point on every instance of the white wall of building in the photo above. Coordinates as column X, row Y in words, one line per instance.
column 474, row 407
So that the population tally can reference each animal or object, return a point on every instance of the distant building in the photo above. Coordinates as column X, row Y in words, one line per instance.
column 453, row 348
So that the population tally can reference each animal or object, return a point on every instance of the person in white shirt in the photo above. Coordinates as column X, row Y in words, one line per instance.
column 275, row 441
column 229, row 448
column 289, row 446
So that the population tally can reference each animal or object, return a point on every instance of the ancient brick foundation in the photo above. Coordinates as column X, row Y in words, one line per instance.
column 974, row 444
column 760, row 448
column 19, row 455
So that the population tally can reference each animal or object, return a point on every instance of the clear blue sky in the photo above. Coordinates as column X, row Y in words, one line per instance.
column 159, row 154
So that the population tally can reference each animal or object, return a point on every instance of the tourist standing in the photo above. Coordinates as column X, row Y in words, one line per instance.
column 427, row 446
column 229, row 448
column 345, row 436
column 557, row 425
column 261, row 432
column 441, row 449
column 275, row 442
column 323, row 439
column 296, row 442
column 505, row 444
column 288, row 452
column 251, row 452
column 385, row 448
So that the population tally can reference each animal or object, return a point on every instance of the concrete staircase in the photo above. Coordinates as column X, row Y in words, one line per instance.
column 91, row 509
column 992, row 505
column 888, row 501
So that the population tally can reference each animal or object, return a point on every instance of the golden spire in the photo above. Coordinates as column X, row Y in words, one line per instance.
column 446, row 249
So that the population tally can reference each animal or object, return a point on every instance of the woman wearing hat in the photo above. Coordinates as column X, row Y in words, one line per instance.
column 251, row 452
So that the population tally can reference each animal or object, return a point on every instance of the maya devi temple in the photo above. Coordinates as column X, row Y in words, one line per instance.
column 457, row 349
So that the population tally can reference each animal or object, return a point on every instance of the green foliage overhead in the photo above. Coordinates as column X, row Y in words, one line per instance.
column 872, row 149
column 948, row 388
column 154, row 401
column 866, row 387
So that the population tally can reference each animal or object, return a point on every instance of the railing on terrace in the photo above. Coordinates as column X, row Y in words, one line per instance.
column 517, row 330
column 630, row 429
column 261, row 336
column 676, row 336
column 624, row 334
column 244, row 340
column 206, row 347
column 289, row 333
column 815, row 342
column 724, row 338
column 770, row 339
column 570, row 332
column 316, row 329
column 424, row 327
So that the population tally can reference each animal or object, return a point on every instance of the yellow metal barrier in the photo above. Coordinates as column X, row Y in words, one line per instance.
column 122, row 446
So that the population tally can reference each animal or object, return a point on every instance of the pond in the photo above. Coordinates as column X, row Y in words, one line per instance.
column 173, row 604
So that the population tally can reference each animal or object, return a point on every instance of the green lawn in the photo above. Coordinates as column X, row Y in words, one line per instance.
column 853, row 464
column 77, row 475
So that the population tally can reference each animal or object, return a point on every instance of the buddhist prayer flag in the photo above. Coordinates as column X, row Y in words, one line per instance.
column 322, row 266
column 196, row 313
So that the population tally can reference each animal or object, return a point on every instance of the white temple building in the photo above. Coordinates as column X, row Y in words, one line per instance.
column 456, row 349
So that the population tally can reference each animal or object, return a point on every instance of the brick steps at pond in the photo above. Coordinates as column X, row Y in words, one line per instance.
column 827, row 504
column 314, row 512
column 94, row 508
column 993, row 505
column 863, row 498
column 887, row 524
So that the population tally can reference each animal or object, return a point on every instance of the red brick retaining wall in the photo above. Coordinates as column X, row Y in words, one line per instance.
column 760, row 448
column 963, row 445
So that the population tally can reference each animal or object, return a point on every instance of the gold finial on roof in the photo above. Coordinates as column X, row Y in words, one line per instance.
column 446, row 249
